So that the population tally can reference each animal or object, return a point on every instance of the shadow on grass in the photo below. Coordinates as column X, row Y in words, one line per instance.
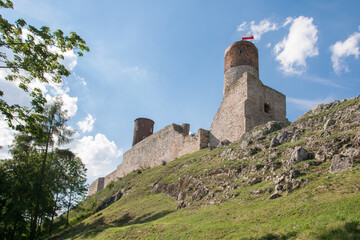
column 350, row 230
column 75, row 231
column 98, row 226
column 149, row 218
column 271, row 236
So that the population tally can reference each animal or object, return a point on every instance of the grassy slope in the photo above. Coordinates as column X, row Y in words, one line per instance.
column 328, row 207
column 319, row 210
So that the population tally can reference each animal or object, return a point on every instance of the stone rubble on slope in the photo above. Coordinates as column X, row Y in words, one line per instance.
column 322, row 134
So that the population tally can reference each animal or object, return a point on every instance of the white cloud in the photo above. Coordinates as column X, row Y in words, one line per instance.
column 258, row 29
column 287, row 21
column 323, row 81
column 87, row 124
column 99, row 154
column 297, row 46
column 4, row 154
column 80, row 79
column 242, row 27
column 307, row 104
column 6, row 138
column 69, row 103
column 70, row 58
column 264, row 26
column 6, row 134
column 268, row 45
column 341, row 50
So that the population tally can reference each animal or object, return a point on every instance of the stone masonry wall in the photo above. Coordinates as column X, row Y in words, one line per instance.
column 109, row 178
column 233, row 74
column 260, row 95
column 277, row 103
column 163, row 146
column 229, row 121
column 243, row 108
column 97, row 185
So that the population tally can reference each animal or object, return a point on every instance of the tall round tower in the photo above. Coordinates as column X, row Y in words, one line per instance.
column 240, row 57
column 143, row 128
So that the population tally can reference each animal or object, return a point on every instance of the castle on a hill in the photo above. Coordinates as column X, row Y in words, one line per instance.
column 246, row 103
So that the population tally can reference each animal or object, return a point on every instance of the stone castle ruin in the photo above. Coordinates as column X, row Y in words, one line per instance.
column 246, row 103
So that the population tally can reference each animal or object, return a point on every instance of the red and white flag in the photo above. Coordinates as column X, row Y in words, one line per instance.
column 247, row 37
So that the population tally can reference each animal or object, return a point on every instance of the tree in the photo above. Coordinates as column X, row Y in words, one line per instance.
column 63, row 186
column 37, row 57
column 32, row 54
column 19, row 175
column 52, row 130
column 70, row 181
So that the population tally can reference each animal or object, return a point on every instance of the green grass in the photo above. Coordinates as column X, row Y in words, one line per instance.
column 327, row 207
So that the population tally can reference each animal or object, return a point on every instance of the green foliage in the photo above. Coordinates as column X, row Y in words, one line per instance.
column 6, row 4
column 29, row 54
column 47, row 179
column 39, row 180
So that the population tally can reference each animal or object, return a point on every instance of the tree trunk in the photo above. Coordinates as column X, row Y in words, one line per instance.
column 52, row 216
column 12, row 235
column 68, row 210
column 39, row 226
column 33, row 225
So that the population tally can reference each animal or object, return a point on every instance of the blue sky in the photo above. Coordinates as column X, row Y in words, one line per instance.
column 164, row 60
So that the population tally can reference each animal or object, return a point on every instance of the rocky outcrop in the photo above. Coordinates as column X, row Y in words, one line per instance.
column 277, row 153
column 108, row 201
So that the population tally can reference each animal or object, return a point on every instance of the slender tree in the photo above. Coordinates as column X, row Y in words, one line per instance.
column 52, row 130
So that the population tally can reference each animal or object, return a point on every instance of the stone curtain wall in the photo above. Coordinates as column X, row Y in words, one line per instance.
column 109, row 178
column 163, row 146
column 97, row 185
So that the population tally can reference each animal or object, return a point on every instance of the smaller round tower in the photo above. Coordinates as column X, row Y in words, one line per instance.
column 240, row 57
column 143, row 128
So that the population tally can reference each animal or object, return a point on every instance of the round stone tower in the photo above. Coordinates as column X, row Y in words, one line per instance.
column 143, row 128
column 240, row 57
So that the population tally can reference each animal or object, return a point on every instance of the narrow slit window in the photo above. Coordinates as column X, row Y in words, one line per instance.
column 267, row 107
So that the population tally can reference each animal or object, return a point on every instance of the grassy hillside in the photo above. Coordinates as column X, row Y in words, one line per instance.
column 278, row 182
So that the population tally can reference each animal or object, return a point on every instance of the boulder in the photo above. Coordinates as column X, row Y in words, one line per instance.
column 357, row 139
column 275, row 195
column 283, row 136
column 274, row 126
column 329, row 123
column 274, row 142
column 223, row 143
column 181, row 204
column 340, row 163
column 298, row 154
